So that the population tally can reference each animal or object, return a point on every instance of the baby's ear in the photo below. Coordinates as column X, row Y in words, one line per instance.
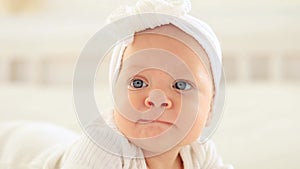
column 209, row 118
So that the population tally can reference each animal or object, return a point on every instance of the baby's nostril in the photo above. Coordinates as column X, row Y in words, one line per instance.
column 164, row 104
column 150, row 103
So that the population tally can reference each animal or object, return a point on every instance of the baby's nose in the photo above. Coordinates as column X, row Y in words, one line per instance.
column 158, row 99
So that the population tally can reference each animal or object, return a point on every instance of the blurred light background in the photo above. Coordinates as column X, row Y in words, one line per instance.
column 40, row 40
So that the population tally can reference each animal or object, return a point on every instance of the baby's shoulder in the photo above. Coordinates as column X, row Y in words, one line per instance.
column 84, row 153
column 101, row 146
column 203, row 155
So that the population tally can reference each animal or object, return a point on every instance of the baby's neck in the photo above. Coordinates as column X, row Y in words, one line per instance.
column 168, row 160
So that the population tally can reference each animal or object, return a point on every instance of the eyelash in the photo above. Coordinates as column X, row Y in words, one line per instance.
column 134, row 80
column 187, row 84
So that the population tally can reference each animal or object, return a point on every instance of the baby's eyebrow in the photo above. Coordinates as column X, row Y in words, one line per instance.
column 133, row 66
column 183, row 76
column 199, row 77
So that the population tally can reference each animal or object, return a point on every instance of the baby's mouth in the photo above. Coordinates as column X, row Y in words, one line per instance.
column 144, row 121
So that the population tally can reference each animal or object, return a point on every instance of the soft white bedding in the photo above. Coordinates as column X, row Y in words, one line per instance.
column 260, row 126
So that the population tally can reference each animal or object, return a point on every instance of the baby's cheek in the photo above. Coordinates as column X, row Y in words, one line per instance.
column 124, row 125
column 137, row 100
column 196, row 129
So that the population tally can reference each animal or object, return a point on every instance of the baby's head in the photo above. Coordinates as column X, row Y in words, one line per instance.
column 166, row 72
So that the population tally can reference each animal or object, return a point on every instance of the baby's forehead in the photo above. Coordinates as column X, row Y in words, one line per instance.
column 172, row 39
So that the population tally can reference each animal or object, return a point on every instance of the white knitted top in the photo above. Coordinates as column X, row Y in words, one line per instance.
column 43, row 146
column 86, row 154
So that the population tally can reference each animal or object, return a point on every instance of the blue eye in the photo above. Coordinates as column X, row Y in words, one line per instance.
column 182, row 85
column 138, row 83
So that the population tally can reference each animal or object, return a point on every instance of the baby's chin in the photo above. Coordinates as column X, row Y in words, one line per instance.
column 156, row 138
column 152, row 146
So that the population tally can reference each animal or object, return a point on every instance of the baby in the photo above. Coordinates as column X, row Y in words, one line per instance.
column 166, row 84
column 165, row 78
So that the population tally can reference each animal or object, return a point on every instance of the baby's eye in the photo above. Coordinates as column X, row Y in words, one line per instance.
column 182, row 85
column 138, row 83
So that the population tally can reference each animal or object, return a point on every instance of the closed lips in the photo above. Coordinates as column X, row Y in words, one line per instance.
column 143, row 121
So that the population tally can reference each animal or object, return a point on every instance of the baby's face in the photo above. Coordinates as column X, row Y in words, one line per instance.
column 156, row 88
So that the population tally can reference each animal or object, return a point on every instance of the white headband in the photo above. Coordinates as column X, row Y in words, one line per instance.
column 196, row 28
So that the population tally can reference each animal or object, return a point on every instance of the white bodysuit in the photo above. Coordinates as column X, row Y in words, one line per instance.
column 44, row 146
